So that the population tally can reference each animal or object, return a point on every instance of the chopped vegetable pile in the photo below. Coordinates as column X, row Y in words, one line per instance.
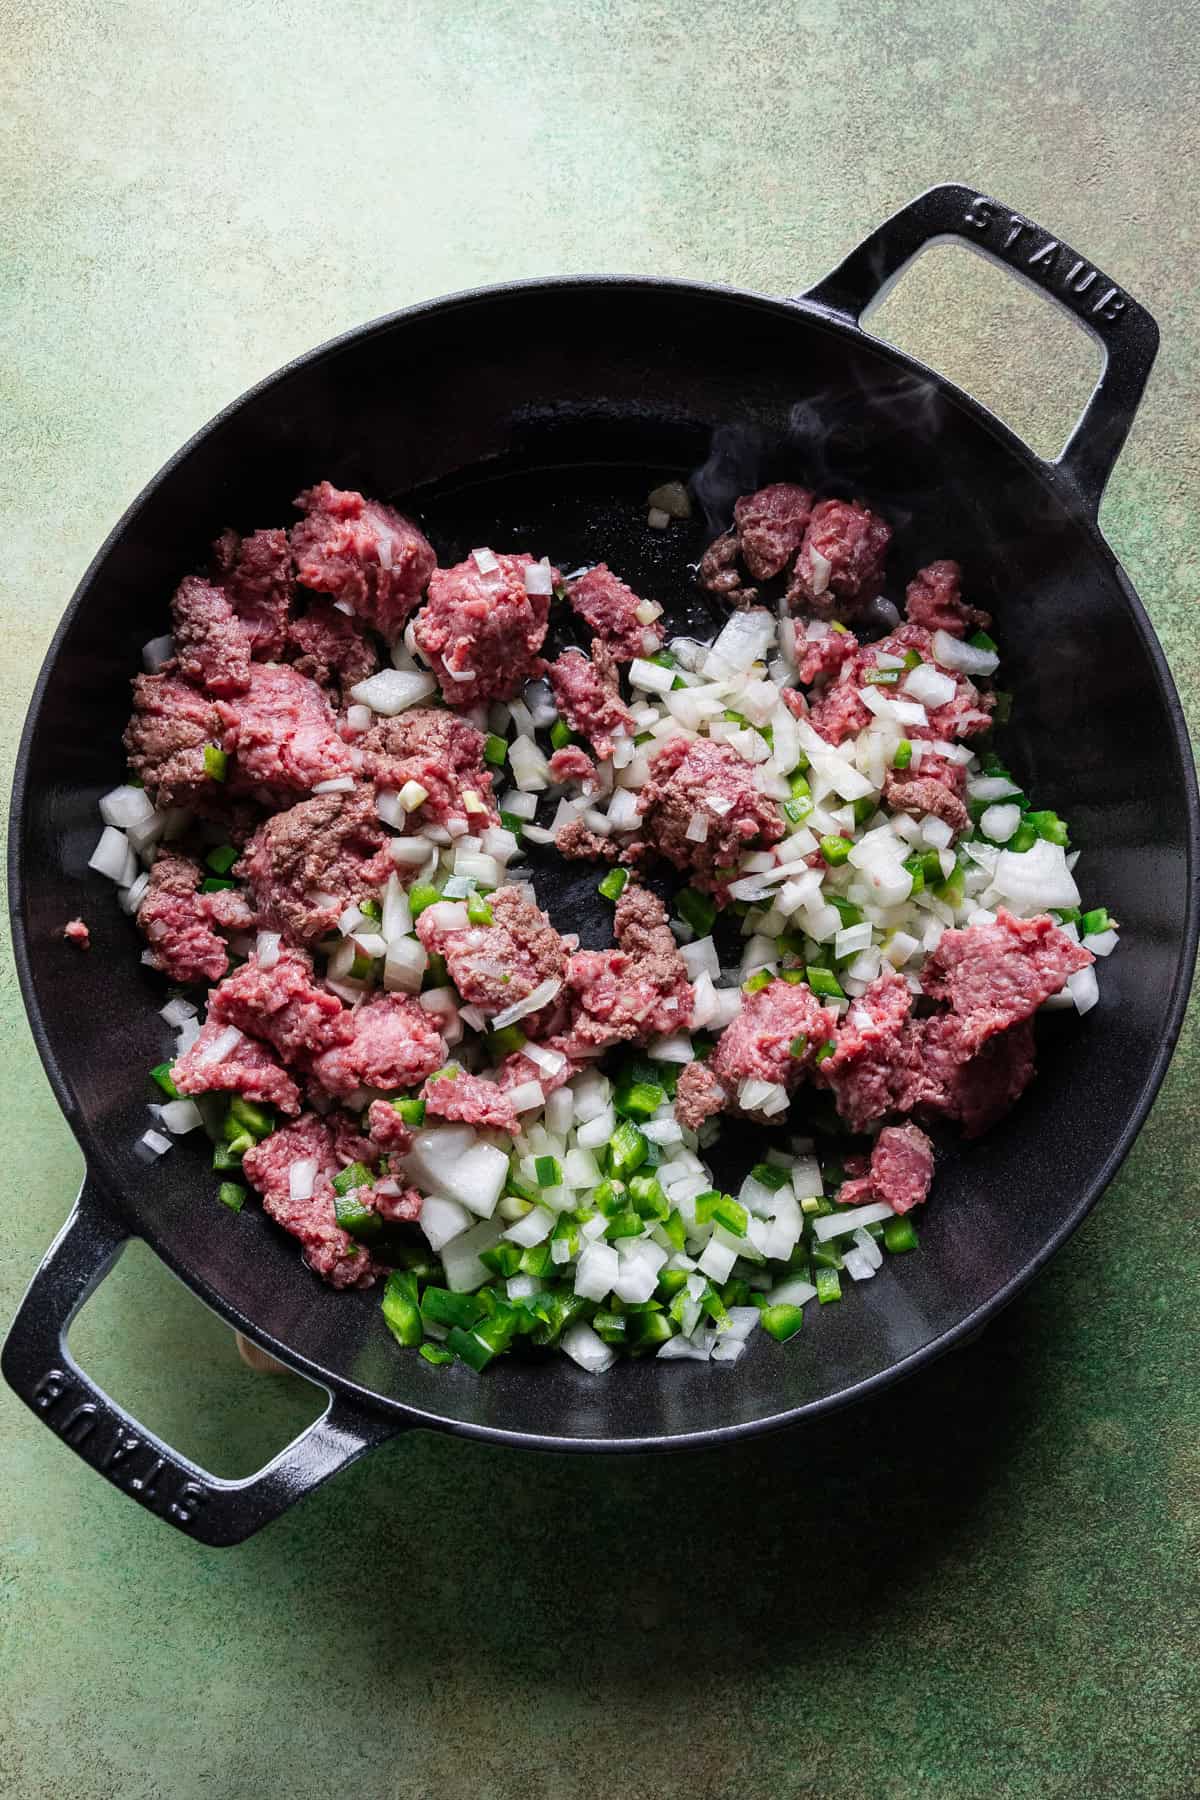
column 343, row 759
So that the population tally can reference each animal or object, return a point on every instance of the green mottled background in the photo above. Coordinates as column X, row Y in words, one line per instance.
column 983, row 1585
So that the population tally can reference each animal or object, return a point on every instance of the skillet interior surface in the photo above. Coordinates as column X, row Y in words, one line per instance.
column 539, row 418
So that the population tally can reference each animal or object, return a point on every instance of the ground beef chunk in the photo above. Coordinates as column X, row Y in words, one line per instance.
column 900, row 1172
column 256, row 574
column 495, row 965
column 841, row 561
column 328, row 1250
column 330, row 648
column 579, row 843
column 76, row 932
column 249, row 1069
column 637, row 991
column 589, row 699
column 609, row 608
column 923, row 796
column 387, row 1129
column 178, row 921
column 995, row 975
column 838, row 713
column 395, row 1044
column 757, row 1046
column 212, row 646
column 931, row 765
column 933, row 600
column 362, row 552
column 571, row 764
column 685, row 774
column 441, row 753
column 283, row 733
column 770, row 527
column 719, row 572
column 171, row 724
column 517, row 1068
column 948, row 1077
column 283, row 1006
column 332, row 844
column 825, row 656
column 401, row 1207
column 472, row 1101
column 485, row 624
column 698, row 1095
column 868, row 1069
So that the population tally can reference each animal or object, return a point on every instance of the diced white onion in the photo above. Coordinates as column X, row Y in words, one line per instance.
column 302, row 1178
column 158, row 651
column 835, row 1224
column 114, row 857
column 967, row 659
column 529, row 767
column 999, row 823
column 539, row 578
column 176, row 1011
column 154, row 1143
column 223, row 1045
column 526, row 1096
column 541, row 996
column 391, row 691
column 928, row 686
column 337, row 784
column 126, row 806
column 180, row 1116
column 585, row 1347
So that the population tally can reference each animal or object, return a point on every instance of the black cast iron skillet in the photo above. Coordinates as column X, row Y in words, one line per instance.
column 539, row 416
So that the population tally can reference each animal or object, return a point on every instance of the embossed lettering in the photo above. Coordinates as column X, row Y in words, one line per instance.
column 78, row 1426
column 187, row 1504
column 124, row 1446
column 50, row 1389
column 143, row 1485
column 1046, row 254
column 1016, row 226
column 1081, row 287
column 979, row 213
column 1110, row 304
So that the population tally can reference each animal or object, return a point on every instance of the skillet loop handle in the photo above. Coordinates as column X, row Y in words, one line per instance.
column 1127, row 334
column 39, row 1367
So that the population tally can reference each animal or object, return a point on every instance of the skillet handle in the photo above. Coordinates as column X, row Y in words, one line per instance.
column 39, row 1367
column 1125, row 331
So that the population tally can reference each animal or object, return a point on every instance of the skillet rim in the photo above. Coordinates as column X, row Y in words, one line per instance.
column 1048, row 474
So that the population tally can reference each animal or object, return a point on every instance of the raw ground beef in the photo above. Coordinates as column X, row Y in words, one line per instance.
column 870, row 1052
column 698, row 1095
column 579, row 843
column 441, row 753
column 76, row 932
column 571, row 764
column 495, row 965
column 283, row 733
column 212, row 646
column 950, row 1078
column 517, row 1068
column 387, row 1129
column 718, row 571
column 770, row 527
column 484, row 627
column 838, row 713
column 331, row 845
column 841, row 561
column 637, row 991
column 171, row 724
column 178, row 922
column 328, row 1250
column 256, row 574
column 249, row 1069
column 685, row 774
column 330, row 648
column 589, row 699
column 933, row 599
column 472, row 1101
column 922, row 796
column 284, row 1006
column 900, row 1172
column 825, row 656
column 362, row 552
column 995, row 975
column 395, row 1044
column 757, row 1046
column 609, row 608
